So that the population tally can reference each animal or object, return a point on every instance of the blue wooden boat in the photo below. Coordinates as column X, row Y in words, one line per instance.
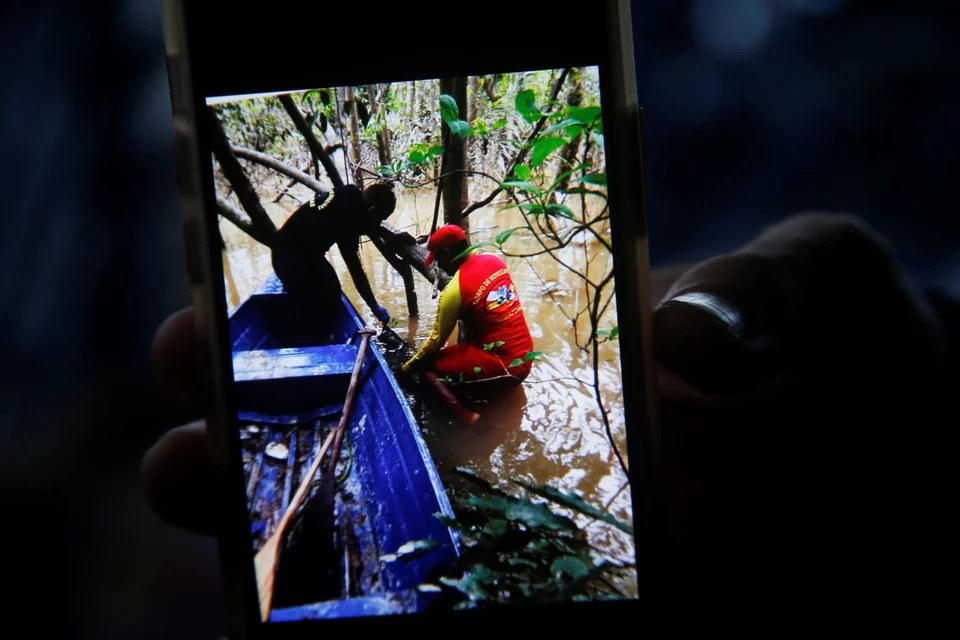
column 290, row 385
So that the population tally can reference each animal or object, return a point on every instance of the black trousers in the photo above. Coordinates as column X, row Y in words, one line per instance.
column 312, row 283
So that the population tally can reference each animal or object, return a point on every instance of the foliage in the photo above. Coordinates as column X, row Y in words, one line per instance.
column 521, row 551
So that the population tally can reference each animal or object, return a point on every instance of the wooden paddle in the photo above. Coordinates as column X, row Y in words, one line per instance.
column 265, row 561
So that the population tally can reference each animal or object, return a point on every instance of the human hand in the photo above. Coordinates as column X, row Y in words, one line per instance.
column 381, row 314
column 797, row 433
column 800, row 379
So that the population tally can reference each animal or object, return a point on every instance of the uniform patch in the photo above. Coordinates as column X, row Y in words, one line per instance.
column 502, row 298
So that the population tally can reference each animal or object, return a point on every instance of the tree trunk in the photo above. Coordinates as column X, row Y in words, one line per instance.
column 490, row 86
column 568, row 154
column 472, row 98
column 383, row 135
column 315, row 147
column 351, row 104
column 235, row 175
column 412, row 98
column 455, row 186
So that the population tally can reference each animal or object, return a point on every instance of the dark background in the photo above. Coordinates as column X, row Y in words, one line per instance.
column 754, row 109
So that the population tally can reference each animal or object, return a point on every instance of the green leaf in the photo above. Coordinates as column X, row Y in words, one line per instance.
column 574, row 502
column 416, row 157
column 586, row 115
column 562, row 208
column 499, row 343
column 529, row 207
column 459, row 128
column 584, row 190
column 544, row 147
column 480, row 127
column 477, row 369
column 434, row 151
column 448, row 108
column 560, row 126
column 499, row 124
column 602, row 332
column 522, row 172
column 527, row 187
column 528, row 513
column 453, row 523
column 574, row 130
column 532, row 355
column 515, row 363
column 471, row 249
column 615, row 332
column 473, row 477
column 488, row 346
column 526, row 105
column 571, row 566
column 503, row 236
column 522, row 562
column 496, row 527
column 593, row 178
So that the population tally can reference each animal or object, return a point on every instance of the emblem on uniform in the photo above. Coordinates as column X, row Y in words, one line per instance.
column 501, row 298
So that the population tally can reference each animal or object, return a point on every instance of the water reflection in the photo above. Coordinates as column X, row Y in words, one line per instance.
column 549, row 430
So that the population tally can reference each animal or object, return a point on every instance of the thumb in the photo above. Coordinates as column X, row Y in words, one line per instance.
column 816, row 292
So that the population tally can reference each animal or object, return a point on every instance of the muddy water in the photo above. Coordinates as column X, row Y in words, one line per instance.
column 549, row 430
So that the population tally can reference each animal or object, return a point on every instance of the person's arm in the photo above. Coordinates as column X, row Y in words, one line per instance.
column 350, row 251
column 448, row 313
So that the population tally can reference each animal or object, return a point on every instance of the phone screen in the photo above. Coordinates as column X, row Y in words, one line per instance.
column 426, row 387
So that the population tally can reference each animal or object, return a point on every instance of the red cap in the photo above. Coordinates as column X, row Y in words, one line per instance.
column 445, row 236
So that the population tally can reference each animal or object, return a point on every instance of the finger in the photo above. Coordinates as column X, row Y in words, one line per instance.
column 815, row 288
column 175, row 353
column 178, row 478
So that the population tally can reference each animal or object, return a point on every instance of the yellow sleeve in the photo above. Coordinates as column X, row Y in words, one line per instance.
column 448, row 313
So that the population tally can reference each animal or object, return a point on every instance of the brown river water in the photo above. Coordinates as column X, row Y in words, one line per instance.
column 548, row 431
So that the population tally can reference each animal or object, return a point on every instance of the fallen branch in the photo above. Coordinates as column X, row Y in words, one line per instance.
column 413, row 254
column 243, row 223
column 285, row 188
column 281, row 167
column 238, row 180
column 405, row 271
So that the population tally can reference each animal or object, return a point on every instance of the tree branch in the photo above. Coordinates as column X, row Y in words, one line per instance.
column 406, row 274
column 522, row 152
column 280, row 167
column 285, row 188
column 243, row 223
column 234, row 174
column 412, row 253
column 315, row 147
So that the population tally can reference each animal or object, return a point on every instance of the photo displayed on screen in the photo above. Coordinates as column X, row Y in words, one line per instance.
column 419, row 282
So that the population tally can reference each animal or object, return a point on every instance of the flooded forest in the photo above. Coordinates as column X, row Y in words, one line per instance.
column 518, row 161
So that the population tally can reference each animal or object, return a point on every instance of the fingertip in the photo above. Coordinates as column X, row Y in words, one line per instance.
column 177, row 479
column 175, row 354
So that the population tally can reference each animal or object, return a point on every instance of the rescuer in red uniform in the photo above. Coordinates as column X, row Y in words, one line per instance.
column 482, row 294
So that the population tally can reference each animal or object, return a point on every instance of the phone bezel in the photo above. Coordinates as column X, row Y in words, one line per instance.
column 190, row 83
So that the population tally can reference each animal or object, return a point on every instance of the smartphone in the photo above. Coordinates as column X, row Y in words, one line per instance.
column 417, row 245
